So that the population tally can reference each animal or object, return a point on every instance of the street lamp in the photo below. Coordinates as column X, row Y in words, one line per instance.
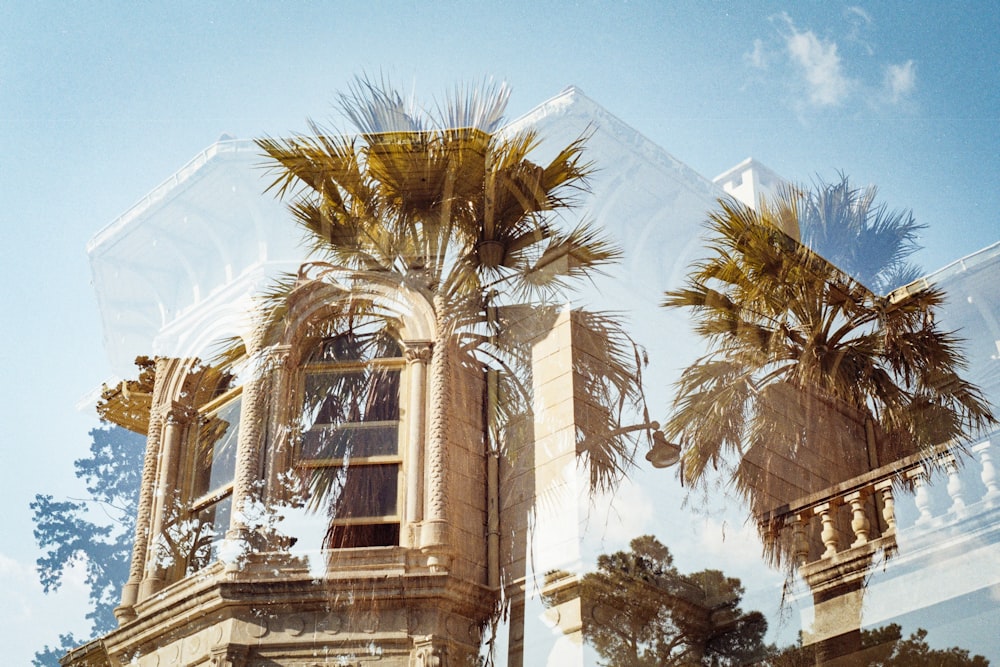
column 663, row 454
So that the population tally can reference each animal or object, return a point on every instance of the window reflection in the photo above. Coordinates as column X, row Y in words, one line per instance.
column 197, row 538
column 349, row 453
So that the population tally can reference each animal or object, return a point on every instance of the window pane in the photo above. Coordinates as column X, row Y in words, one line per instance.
column 350, row 536
column 216, row 451
column 354, row 492
column 206, row 533
column 349, row 414
column 350, row 440
column 359, row 344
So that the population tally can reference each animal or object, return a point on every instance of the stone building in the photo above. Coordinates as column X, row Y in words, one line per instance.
column 427, row 537
column 419, row 539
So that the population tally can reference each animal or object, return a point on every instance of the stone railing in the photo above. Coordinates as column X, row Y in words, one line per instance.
column 863, row 514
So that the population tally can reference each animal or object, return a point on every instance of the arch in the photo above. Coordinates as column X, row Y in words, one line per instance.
column 320, row 297
column 315, row 299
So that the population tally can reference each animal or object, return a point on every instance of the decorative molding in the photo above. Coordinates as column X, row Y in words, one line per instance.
column 230, row 655
column 176, row 413
column 418, row 351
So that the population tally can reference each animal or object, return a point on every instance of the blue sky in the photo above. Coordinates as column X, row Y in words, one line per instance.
column 101, row 102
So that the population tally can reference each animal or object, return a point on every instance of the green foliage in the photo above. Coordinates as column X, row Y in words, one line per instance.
column 804, row 359
column 96, row 532
column 885, row 647
column 648, row 614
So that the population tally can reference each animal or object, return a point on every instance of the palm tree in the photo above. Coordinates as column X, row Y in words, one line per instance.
column 806, row 363
column 448, row 205
column 864, row 239
column 813, row 378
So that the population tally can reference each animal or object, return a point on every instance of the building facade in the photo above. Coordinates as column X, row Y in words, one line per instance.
column 303, row 504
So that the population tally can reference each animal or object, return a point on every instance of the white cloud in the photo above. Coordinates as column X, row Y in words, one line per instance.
column 758, row 57
column 900, row 80
column 820, row 63
column 622, row 515
column 10, row 567
column 859, row 21
column 827, row 71
column 855, row 12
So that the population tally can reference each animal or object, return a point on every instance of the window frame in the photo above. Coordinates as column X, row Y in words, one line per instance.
column 310, row 366
column 196, row 505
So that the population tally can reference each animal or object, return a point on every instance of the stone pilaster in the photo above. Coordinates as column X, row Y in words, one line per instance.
column 147, row 489
column 147, row 495
column 283, row 410
column 434, row 531
column 418, row 355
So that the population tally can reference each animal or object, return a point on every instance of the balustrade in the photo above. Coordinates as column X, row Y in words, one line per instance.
column 863, row 512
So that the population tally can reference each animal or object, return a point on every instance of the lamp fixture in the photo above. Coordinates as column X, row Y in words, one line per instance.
column 663, row 454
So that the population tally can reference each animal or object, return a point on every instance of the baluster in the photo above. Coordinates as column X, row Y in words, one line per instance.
column 859, row 521
column 989, row 470
column 800, row 541
column 888, row 506
column 829, row 533
column 921, row 496
column 955, row 485
column 771, row 535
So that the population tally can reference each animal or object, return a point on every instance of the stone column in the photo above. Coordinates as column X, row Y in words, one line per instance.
column 166, row 497
column 434, row 531
column 130, row 591
column 278, row 454
column 253, row 429
column 418, row 354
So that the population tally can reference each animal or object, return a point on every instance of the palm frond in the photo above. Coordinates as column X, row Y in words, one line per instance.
column 479, row 107
column 804, row 354
column 376, row 107
column 452, row 208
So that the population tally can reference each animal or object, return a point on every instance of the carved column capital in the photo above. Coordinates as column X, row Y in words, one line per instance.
column 418, row 351
column 279, row 355
column 176, row 414
column 430, row 656
column 231, row 655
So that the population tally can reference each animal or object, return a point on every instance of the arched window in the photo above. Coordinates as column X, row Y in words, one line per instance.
column 350, row 452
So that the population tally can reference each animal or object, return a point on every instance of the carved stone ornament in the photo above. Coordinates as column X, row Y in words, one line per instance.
column 228, row 656
column 418, row 350
column 429, row 656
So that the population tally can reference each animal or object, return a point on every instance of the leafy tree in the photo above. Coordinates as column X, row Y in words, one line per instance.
column 806, row 363
column 96, row 532
column 885, row 647
column 646, row 613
